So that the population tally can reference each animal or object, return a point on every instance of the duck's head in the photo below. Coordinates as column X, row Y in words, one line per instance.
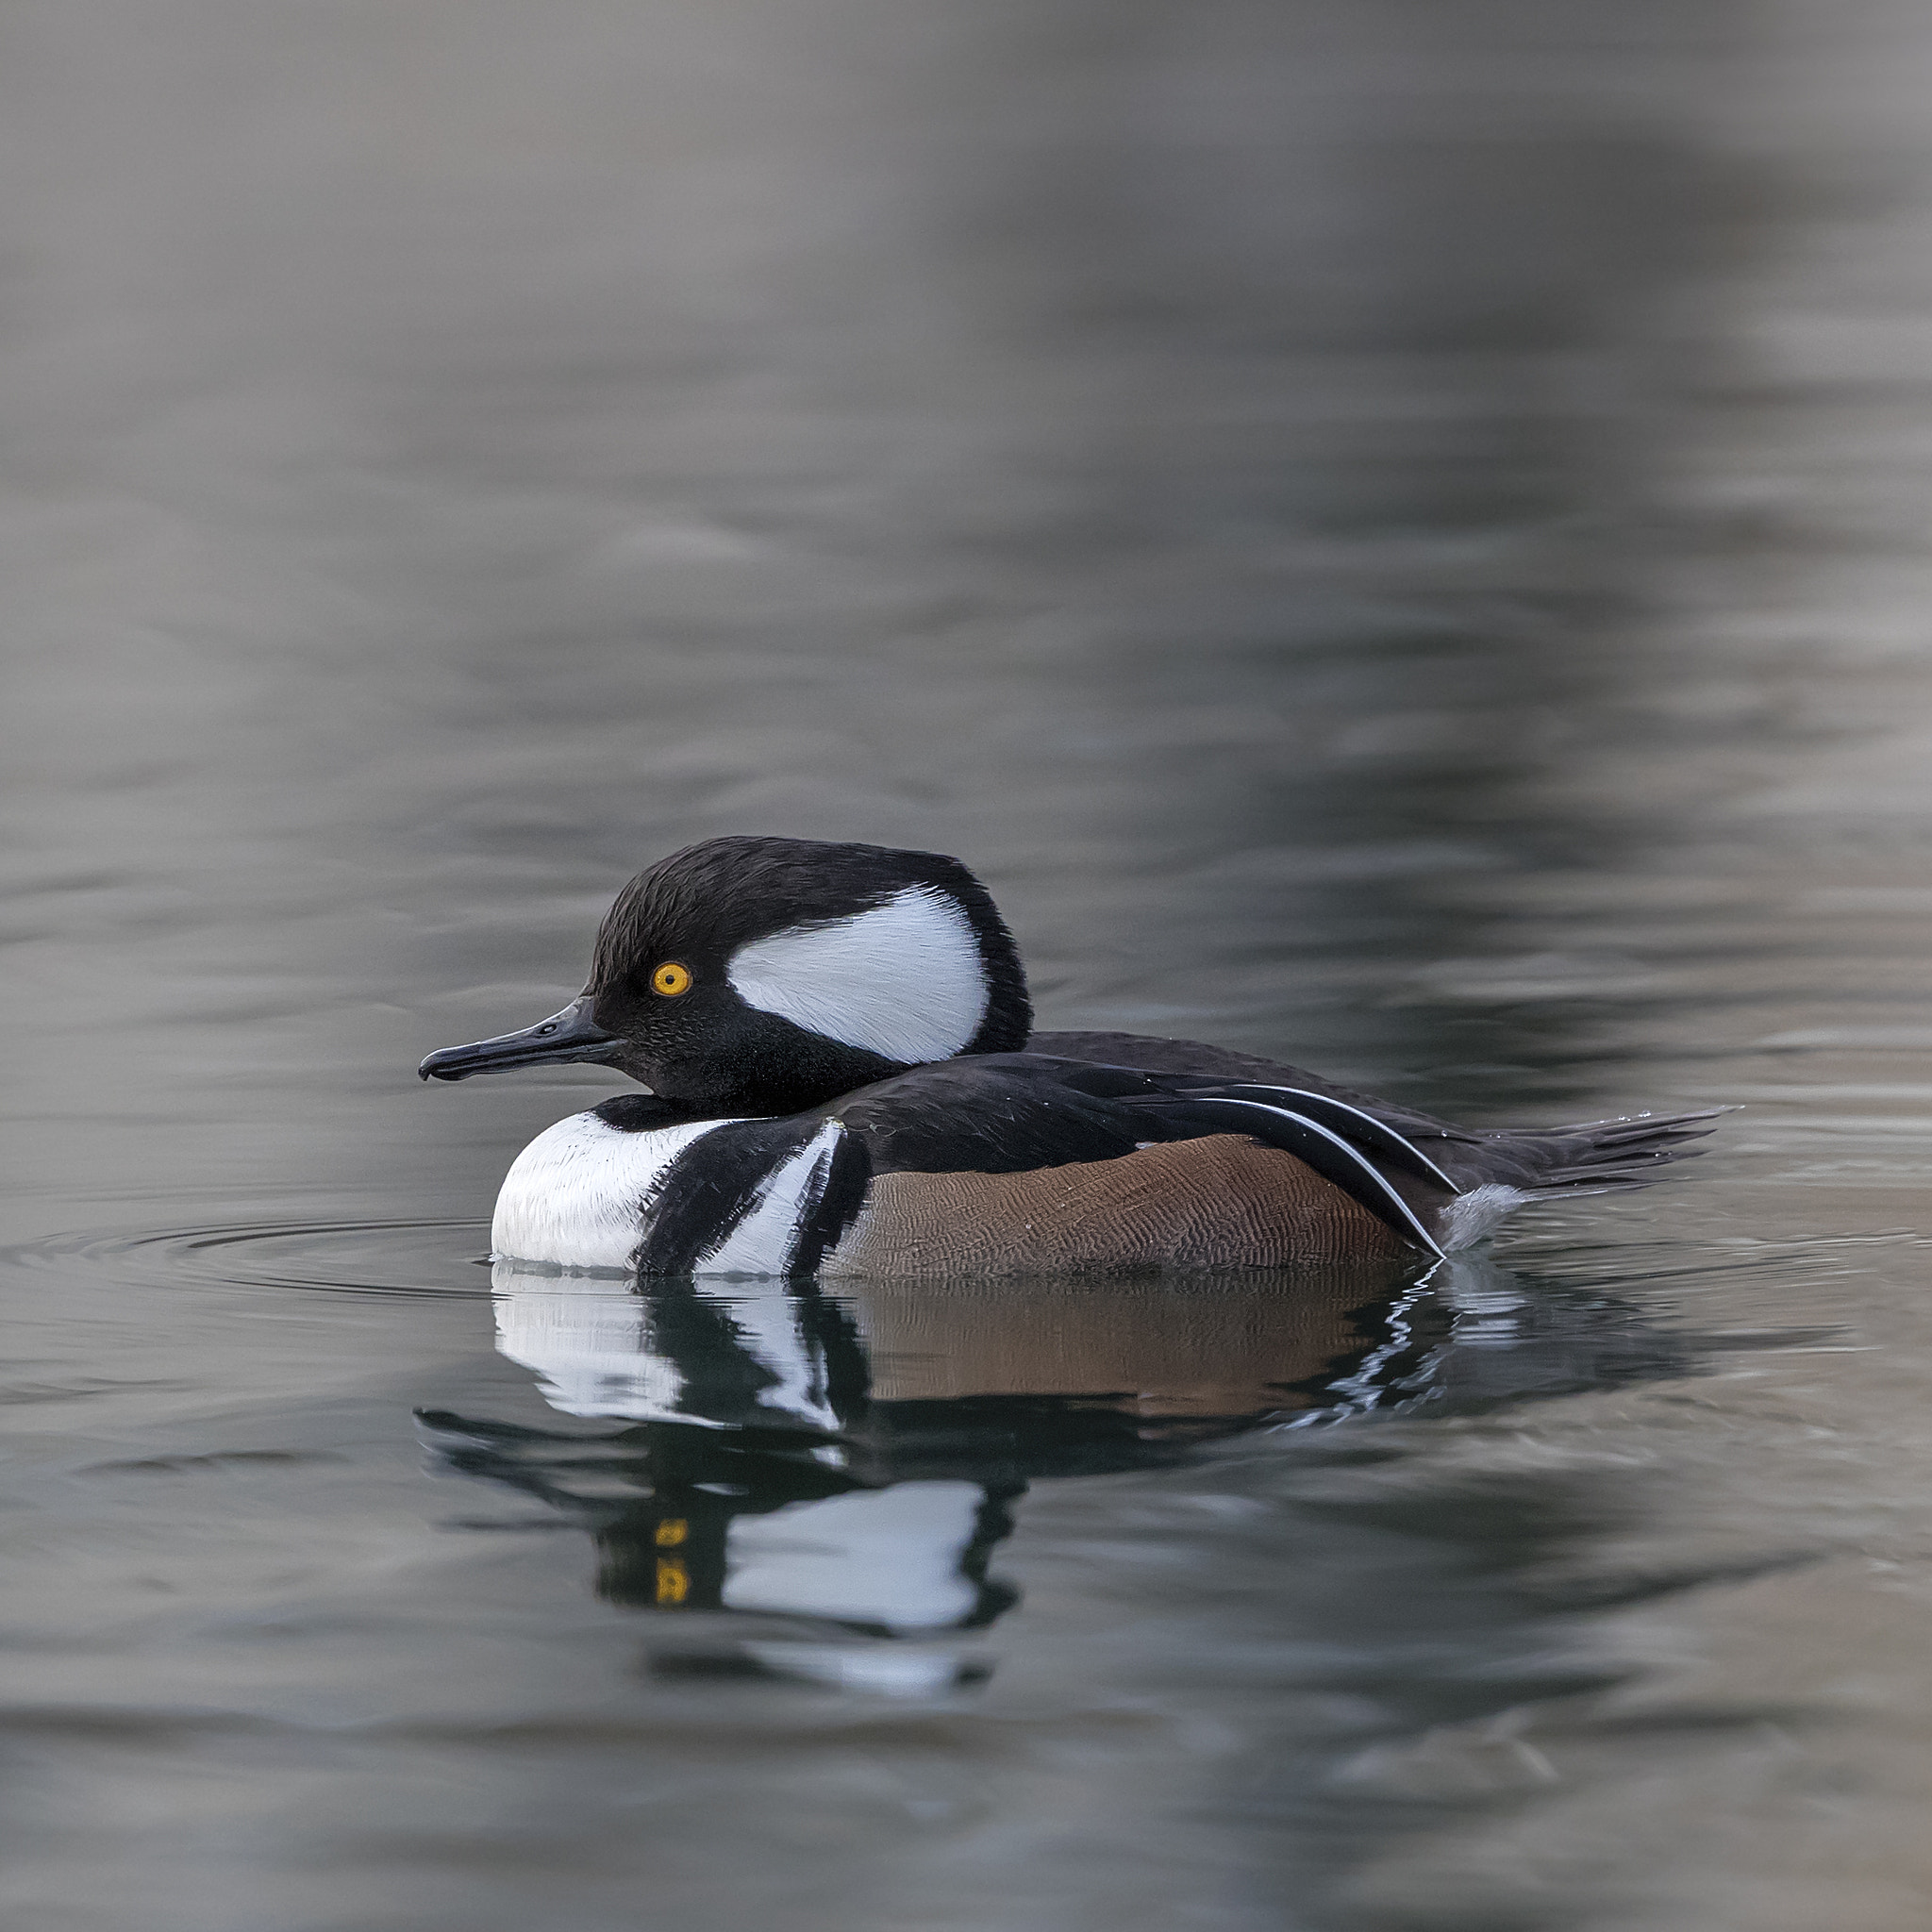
column 764, row 975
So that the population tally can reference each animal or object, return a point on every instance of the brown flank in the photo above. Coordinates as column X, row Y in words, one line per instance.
column 1222, row 1201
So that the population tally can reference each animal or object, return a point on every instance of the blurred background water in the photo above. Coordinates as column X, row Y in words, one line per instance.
column 1394, row 535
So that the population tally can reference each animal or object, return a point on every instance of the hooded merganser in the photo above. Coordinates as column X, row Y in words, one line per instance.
column 843, row 1079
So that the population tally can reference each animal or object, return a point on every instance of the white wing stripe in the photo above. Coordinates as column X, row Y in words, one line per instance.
column 1397, row 1206
column 1370, row 1121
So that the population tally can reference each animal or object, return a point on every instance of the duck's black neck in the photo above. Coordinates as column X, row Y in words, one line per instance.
column 769, row 1066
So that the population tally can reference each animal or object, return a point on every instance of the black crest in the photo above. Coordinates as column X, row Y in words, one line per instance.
column 725, row 892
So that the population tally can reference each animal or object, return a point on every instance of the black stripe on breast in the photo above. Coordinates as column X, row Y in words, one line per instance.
column 710, row 1188
column 839, row 1195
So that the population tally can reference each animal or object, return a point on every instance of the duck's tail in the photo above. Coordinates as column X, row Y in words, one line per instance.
column 1501, row 1169
column 1594, row 1156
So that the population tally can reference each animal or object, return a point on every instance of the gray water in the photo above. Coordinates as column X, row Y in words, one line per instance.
column 1392, row 535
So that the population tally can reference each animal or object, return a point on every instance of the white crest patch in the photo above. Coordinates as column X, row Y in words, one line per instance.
column 903, row 981
column 575, row 1197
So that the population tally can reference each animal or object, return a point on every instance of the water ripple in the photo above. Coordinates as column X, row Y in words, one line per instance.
column 376, row 1257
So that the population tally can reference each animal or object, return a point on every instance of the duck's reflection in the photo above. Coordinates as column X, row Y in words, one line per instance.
column 821, row 1471
column 812, row 1484
column 867, row 1361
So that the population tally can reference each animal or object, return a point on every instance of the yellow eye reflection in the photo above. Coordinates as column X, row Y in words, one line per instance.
column 671, row 979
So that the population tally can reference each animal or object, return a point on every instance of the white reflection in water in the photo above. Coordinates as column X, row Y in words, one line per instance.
column 587, row 1348
column 594, row 1346
column 889, row 1557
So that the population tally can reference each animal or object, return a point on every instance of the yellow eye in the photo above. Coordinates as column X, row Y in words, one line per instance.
column 671, row 979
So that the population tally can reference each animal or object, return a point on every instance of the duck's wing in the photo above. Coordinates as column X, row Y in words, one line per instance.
column 1590, row 1156
column 1195, row 1059
column 1010, row 1113
column 778, row 1196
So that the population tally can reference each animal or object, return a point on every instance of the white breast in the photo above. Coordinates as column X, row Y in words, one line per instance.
column 575, row 1196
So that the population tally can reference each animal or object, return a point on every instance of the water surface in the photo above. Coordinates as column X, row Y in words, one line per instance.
column 1391, row 536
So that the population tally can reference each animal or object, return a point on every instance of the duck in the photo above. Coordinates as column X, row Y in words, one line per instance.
column 842, row 1078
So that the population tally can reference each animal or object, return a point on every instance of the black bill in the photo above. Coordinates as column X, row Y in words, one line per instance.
column 571, row 1035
